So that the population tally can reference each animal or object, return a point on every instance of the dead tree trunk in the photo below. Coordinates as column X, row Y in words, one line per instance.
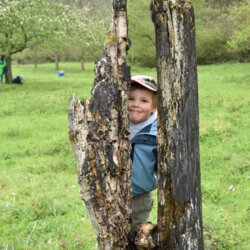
column 179, row 192
column 99, row 134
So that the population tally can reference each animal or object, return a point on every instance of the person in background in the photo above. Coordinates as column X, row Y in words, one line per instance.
column 18, row 80
column 142, row 109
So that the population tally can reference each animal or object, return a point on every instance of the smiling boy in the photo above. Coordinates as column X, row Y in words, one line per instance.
column 142, row 107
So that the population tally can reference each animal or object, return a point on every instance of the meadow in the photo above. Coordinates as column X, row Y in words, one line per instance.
column 40, row 206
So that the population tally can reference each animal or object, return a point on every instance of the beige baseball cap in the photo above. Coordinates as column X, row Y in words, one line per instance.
column 146, row 81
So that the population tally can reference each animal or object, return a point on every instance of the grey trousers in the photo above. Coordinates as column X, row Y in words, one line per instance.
column 141, row 207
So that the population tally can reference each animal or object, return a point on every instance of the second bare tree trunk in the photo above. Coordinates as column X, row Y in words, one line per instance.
column 179, row 191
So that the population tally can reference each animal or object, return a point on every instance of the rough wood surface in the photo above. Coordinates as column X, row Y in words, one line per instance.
column 146, row 237
column 98, row 131
column 179, row 191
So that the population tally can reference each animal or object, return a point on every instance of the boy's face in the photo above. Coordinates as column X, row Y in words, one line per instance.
column 140, row 105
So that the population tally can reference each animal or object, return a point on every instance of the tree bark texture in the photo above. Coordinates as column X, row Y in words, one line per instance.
column 179, row 193
column 8, row 75
column 98, row 131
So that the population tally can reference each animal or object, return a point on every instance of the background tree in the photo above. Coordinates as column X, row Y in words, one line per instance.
column 141, row 34
column 222, row 30
column 24, row 23
column 73, row 33
column 215, row 29
column 32, row 23
column 87, row 36
column 59, row 40
column 94, row 5
column 217, row 23
column 239, row 41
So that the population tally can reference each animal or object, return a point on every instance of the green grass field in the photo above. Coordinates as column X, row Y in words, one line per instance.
column 40, row 206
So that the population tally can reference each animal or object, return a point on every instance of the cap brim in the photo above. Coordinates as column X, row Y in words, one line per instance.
column 144, row 85
column 141, row 82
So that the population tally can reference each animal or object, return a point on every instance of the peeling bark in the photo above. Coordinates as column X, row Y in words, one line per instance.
column 98, row 131
column 146, row 237
column 179, row 192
